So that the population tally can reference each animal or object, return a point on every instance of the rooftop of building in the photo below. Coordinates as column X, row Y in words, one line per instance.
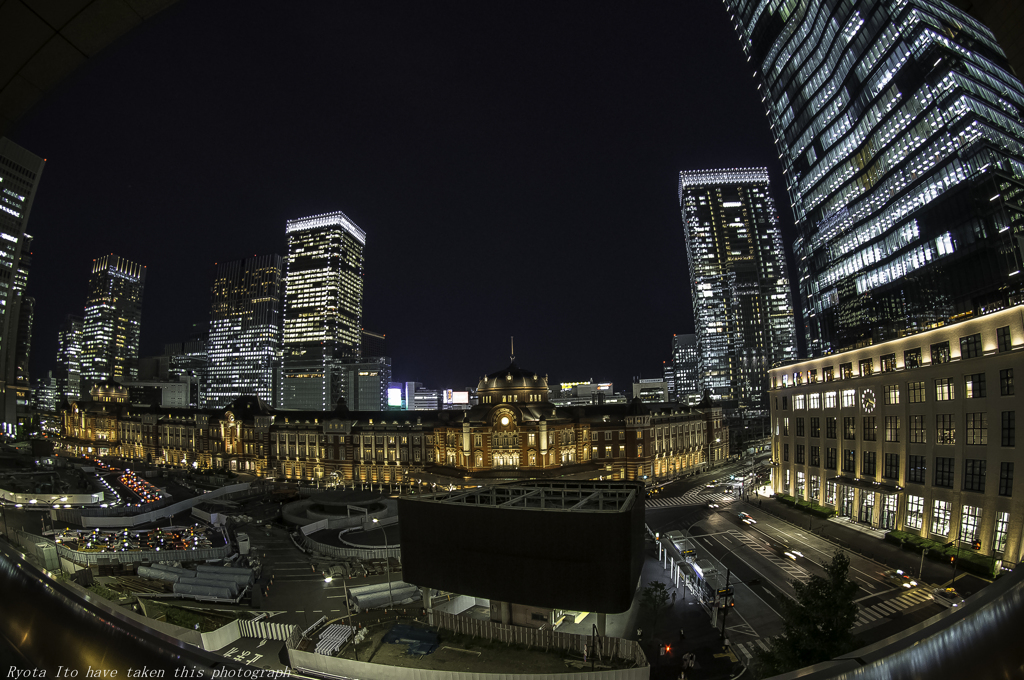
column 582, row 496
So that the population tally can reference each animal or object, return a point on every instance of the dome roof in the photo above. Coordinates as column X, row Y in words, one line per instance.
column 513, row 380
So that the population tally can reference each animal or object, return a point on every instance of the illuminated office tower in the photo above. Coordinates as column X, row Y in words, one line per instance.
column 19, row 178
column 741, row 301
column 245, row 330
column 323, row 307
column 685, row 367
column 69, row 358
column 113, row 320
column 899, row 129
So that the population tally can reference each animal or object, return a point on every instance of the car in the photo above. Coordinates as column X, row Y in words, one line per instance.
column 947, row 597
column 747, row 519
column 900, row 578
column 712, row 505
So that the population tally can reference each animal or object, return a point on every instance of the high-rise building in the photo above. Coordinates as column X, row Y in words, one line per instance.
column 69, row 358
column 190, row 359
column 113, row 319
column 685, row 367
column 366, row 384
column 899, row 130
column 245, row 330
column 742, row 308
column 19, row 178
column 322, row 310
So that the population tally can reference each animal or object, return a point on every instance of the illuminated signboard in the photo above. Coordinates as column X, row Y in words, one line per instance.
column 453, row 397
column 395, row 396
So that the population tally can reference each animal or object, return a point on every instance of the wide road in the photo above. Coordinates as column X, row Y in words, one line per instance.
column 764, row 559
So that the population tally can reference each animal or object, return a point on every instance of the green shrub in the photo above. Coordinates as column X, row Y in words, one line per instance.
column 810, row 507
column 969, row 561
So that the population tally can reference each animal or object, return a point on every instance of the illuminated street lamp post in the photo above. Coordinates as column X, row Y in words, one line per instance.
column 387, row 560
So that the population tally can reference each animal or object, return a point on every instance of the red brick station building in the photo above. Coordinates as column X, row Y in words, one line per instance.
column 513, row 433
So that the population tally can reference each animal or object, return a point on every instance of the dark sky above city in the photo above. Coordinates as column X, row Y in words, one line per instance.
column 514, row 166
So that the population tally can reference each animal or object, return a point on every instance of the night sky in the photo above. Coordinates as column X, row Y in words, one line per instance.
column 514, row 166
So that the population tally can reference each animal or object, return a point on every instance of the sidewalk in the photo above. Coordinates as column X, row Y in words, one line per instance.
column 871, row 543
column 713, row 661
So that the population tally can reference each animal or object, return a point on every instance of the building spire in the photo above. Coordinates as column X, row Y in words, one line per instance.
column 513, row 357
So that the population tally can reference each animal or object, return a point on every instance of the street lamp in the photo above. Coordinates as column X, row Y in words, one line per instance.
column 387, row 560
column 7, row 528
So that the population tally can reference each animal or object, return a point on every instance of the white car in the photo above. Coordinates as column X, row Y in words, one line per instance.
column 747, row 519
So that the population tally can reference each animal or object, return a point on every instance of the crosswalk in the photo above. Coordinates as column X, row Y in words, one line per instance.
column 696, row 496
column 746, row 651
column 792, row 570
column 889, row 607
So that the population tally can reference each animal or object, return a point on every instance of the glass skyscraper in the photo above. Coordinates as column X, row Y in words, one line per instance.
column 900, row 133
column 245, row 330
column 323, row 308
column 742, row 309
column 20, row 171
column 113, row 320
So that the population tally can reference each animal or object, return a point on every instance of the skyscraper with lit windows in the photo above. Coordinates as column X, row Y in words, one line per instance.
column 20, row 171
column 900, row 131
column 245, row 330
column 113, row 320
column 323, row 308
column 742, row 308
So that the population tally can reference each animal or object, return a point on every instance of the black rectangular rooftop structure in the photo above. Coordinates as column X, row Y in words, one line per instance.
column 564, row 545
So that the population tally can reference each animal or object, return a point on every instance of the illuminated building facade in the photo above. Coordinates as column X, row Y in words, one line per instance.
column 685, row 367
column 323, row 306
column 916, row 434
column 899, row 129
column 113, row 320
column 514, row 432
column 20, row 171
column 245, row 330
column 742, row 308
column 69, row 358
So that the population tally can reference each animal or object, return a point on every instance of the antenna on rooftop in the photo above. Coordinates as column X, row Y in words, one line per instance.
column 513, row 347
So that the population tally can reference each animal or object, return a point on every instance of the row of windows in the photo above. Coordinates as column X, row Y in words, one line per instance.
column 939, row 353
column 976, row 428
column 975, row 387
column 917, row 467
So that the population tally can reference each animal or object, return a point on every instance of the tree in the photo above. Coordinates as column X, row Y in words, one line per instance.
column 654, row 597
column 816, row 627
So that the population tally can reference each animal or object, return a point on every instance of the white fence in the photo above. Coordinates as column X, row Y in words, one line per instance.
column 364, row 553
column 329, row 666
column 265, row 629
column 615, row 647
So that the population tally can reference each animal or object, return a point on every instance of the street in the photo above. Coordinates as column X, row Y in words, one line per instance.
column 762, row 558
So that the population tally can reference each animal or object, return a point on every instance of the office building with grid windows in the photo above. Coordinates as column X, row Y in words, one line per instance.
column 899, row 127
column 742, row 308
column 20, row 171
column 323, row 307
column 245, row 330
column 113, row 320
column 916, row 434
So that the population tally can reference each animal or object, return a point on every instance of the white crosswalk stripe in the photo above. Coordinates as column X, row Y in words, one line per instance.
column 691, row 498
column 787, row 566
column 747, row 650
column 885, row 609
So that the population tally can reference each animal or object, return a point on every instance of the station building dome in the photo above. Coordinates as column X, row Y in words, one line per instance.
column 512, row 385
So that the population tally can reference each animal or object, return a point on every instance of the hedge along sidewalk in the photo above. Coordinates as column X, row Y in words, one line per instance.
column 809, row 507
column 968, row 560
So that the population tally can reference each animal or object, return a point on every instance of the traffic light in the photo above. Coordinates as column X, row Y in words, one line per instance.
column 976, row 544
column 952, row 559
